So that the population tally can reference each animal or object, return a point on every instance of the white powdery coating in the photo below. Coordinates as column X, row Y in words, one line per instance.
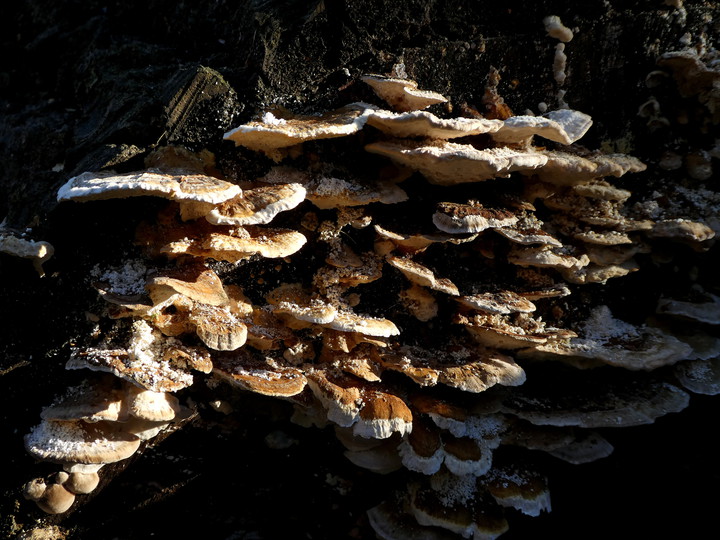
column 700, row 376
column 143, row 363
column 602, row 327
column 270, row 119
column 127, row 279
column 144, row 347
column 454, row 490
column 486, row 429
column 69, row 442
column 331, row 186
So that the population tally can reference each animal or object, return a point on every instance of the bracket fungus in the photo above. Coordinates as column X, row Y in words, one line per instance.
column 273, row 133
column 15, row 244
column 446, row 163
column 351, row 325
column 91, row 186
column 402, row 94
column 564, row 126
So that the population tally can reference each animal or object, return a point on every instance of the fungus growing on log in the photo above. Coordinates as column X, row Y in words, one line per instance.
column 448, row 377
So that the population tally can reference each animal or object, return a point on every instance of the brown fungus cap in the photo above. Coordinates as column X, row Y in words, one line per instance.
column 468, row 369
column 259, row 373
column 528, row 236
column 91, row 186
column 413, row 243
column 81, row 483
column 363, row 361
column 196, row 282
column 518, row 487
column 257, row 205
column 477, row 515
column 419, row 302
column 51, row 499
column 347, row 321
column 691, row 73
column 600, row 189
column 402, row 94
column 421, row 275
column 151, row 360
column 502, row 302
column 604, row 255
column 421, row 450
column 371, row 410
column 330, row 192
column 455, row 218
column 602, row 238
column 494, row 332
column 218, row 327
column 425, row 124
column 92, row 400
column 597, row 273
column 150, row 405
column 230, row 244
column 447, row 164
column 546, row 257
column 315, row 311
column 271, row 132
column 432, row 448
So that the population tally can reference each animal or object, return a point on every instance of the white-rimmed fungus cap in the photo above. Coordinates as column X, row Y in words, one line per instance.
column 447, row 163
column 402, row 94
column 92, row 186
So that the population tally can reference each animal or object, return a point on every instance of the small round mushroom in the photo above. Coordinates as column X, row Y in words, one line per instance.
column 52, row 499
column 81, row 483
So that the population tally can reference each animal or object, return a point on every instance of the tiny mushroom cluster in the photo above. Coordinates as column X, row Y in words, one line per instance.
column 422, row 334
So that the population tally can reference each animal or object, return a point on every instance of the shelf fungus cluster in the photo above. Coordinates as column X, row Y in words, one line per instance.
column 433, row 293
